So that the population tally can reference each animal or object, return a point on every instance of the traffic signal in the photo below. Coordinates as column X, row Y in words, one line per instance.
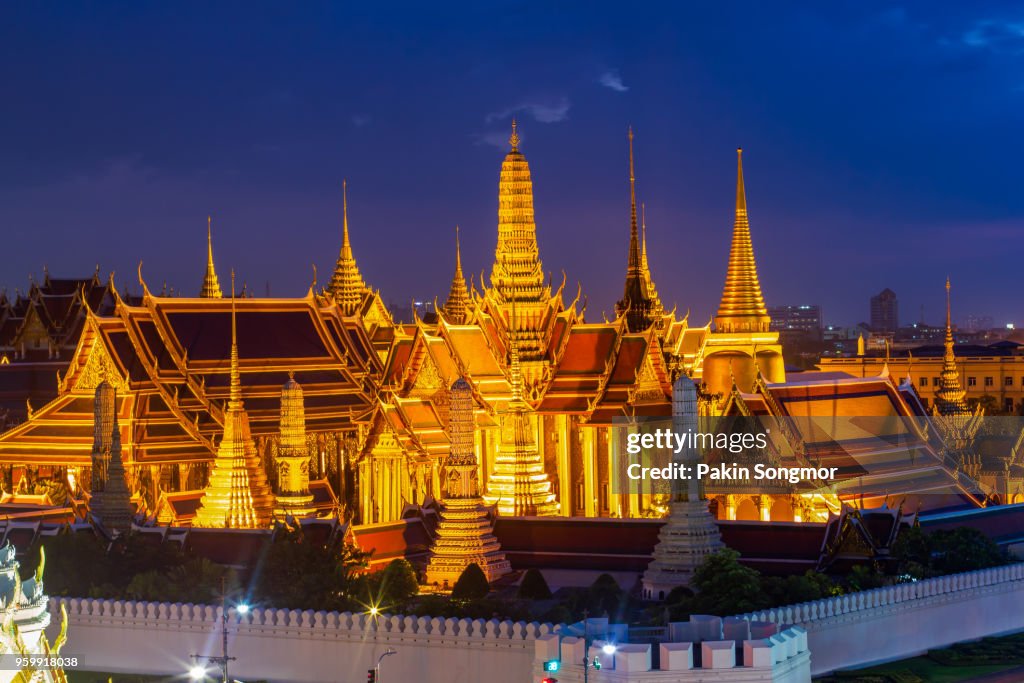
column 549, row 680
column 597, row 663
column 371, row 676
column 552, row 665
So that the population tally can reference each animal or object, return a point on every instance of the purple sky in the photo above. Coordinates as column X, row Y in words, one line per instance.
column 881, row 144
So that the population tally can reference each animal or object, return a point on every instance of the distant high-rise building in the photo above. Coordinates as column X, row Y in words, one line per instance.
column 884, row 311
column 796, row 321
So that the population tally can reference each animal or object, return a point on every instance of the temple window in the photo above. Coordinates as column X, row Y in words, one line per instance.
column 924, row 381
column 989, row 381
column 972, row 381
column 1008, row 381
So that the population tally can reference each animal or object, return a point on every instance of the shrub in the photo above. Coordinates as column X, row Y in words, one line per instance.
column 533, row 586
column 472, row 584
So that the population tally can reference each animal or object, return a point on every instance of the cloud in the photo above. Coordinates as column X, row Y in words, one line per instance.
column 497, row 139
column 995, row 35
column 612, row 79
column 541, row 110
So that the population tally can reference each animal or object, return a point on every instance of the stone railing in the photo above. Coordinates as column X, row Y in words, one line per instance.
column 181, row 614
column 898, row 621
column 298, row 645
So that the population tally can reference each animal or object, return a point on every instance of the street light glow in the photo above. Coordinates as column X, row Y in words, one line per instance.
column 609, row 648
column 197, row 673
column 242, row 608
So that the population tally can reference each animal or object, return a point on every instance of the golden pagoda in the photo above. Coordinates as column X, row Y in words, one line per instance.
column 519, row 484
column 949, row 397
column 237, row 495
column 742, row 307
column 638, row 303
column 742, row 345
column 465, row 534
column 456, row 308
column 211, row 285
column 517, row 277
column 347, row 284
column 293, row 496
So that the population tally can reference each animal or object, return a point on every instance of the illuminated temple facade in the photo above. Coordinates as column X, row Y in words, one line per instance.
column 327, row 406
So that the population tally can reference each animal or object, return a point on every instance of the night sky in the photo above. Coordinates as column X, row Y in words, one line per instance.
column 881, row 144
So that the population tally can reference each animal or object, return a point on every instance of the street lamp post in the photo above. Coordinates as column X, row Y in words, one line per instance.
column 198, row 672
column 387, row 653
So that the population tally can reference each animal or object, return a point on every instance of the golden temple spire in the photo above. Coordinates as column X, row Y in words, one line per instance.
column 211, row 285
column 742, row 307
column 293, row 454
column 657, row 308
column 517, row 274
column 347, row 284
column 235, row 400
column 949, row 397
column 634, row 248
column 237, row 494
column 637, row 303
column 456, row 307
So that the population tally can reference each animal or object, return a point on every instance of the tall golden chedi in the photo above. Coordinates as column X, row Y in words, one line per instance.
column 237, row 495
column 465, row 534
column 517, row 277
column 293, row 496
column 347, row 283
column 211, row 285
column 457, row 306
column 949, row 397
column 639, row 303
column 519, row 484
column 742, row 345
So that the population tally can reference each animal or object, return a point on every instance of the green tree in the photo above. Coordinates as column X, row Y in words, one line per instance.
column 472, row 584
column 725, row 587
column 962, row 550
column 534, row 586
column 398, row 581
column 606, row 597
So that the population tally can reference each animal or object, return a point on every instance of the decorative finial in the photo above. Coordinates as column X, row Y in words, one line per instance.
column 235, row 379
column 514, row 138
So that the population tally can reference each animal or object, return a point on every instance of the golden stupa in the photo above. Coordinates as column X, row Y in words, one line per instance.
column 237, row 495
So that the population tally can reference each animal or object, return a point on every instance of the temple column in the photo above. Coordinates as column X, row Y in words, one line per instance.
column 730, row 507
column 564, row 466
column 764, row 508
column 589, row 472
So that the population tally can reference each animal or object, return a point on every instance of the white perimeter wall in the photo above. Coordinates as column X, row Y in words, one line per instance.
column 296, row 646
column 905, row 620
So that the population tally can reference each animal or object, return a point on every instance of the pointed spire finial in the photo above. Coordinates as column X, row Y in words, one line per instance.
column 236, row 393
column 634, row 247
column 513, row 139
column 211, row 285
column 949, row 324
column 741, row 193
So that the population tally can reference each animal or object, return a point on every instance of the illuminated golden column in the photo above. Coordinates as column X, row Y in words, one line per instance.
column 237, row 495
column 465, row 534
column 589, row 453
column 292, row 455
column 564, row 466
